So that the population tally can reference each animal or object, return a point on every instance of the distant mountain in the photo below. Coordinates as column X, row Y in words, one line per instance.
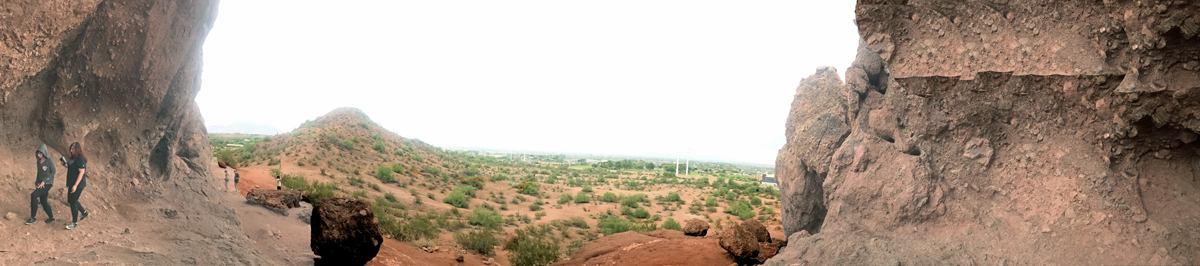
column 244, row 128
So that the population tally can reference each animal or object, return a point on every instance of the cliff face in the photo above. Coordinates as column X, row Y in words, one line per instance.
column 1001, row 132
column 118, row 76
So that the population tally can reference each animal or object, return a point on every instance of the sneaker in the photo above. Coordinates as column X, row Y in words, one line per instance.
column 72, row 226
column 30, row 221
column 51, row 220
column 84, row 216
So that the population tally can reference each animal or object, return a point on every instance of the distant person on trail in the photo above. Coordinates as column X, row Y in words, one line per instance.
column 236, row 178
column 45, row 180
column 76, row 182
column 279, row 183
column 225, row 186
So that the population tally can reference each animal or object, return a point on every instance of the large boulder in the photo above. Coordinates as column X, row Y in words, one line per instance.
column 279, row 199
column 749, row 242
column 816, row 127
column 757, row 230
column 345, row 231
column 739, row 242
column 695, row 227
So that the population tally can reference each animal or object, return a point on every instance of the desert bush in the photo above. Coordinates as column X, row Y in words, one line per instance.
column 533, row 246
column 536, row 206
column 397, row 168
column 418, row 157
column 641, row 213
column 614, row 224
column 469, row 191
column 673, row 197
column 710, row 201
column 481, row 242
column 375, row 186
column 384, row 174
column 609, row 197
column 273, row 162
column 295, row 182
column 755, row 201
column 587, row 188
column 485, row 218
column 360, row 194
column 672, row 224
column 456, row 199
column 389, row 196
column 564, row 199
column 742, row 209
column 582, row 198
column 632, row 200
column 378, row 146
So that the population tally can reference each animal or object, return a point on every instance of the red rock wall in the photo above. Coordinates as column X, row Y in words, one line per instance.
column 1004, row 133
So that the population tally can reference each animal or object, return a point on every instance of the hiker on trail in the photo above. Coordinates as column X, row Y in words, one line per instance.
column 236, row 178
column 45, row 180
column 76, row 182
column 279, row 184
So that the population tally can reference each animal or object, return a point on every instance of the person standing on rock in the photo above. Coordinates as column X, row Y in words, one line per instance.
column 76, row 182
column 45, row 180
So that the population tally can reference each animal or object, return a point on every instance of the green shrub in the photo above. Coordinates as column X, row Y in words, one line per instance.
column 587, row 188
column 397, row 168
column 564, row 199
column 375, row 186
column 456, row 199
column 384, row 173
column 672, row 224
column 465, row 190
column 609, row 197
column 578, row 222
column 378, row 146
column 295, row 182
column 641, row 213
column 535, row 207
column 411, row 230
column 360, row 194
column 273, row 162
column 755, row 201
column 485, row 218
column 742, row 209
column 533, row 246
column 418, row 157
column 481, row 242
column 321, row 191
column 632, row 200
column 674, row 197
column 390, row 197
column 613, row 225
column 582, row 198
column 710, row 201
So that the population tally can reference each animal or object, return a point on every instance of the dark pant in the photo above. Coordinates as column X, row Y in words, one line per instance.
column 73, row 201
column 40, row 195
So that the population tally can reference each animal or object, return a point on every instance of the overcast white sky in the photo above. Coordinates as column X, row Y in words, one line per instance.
column 610, row 77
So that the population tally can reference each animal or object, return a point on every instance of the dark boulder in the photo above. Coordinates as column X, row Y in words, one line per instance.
column 695, row 227
column 739, row 242
column 279, row 199
column 345, row 231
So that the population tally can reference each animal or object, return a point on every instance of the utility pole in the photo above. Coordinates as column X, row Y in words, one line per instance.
column 688, row 165
column 676, row 164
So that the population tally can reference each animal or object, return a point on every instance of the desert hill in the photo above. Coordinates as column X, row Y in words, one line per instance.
column 487, row 208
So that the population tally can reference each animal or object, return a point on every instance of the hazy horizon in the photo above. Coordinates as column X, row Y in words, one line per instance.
column 618, row 77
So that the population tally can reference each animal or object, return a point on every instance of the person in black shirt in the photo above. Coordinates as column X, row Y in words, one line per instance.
column 76, row 182
column 45, row 180
column 236, row 178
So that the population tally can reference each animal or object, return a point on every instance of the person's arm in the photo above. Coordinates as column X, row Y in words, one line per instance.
column 79, row 179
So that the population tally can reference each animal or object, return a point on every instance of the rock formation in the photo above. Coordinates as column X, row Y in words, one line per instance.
column 695, row 227
column 279, row 199
column 118, row 76
column 749, row 242
column 344, row 231
column 1027, row 132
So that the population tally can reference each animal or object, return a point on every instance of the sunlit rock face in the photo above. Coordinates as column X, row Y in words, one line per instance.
column 1001, row 133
